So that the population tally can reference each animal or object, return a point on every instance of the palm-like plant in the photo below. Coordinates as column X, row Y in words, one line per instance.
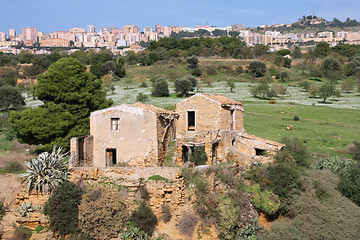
column 47, row 171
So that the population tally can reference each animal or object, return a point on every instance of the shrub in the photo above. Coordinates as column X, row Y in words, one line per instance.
column 316, row 73
column 196, row 71
column 144, row 193
column 158, row 178
column 144, row 218
column 38, row 228
column 2, row 209
column 279, row 89
column 313, row 90
column 298, row 150
column 198, row 155
column 183, row 86
column 260, row 90
column 22, row 233
column 229, row 213
column 143, row 85
column 132, row 232
column 187, row 224
column 192, row 62
column 210, row 71
column 166, row 213
column 62, row 208
column 355, row 150
column 287, row 62
column 160, row 88
column 320, row 191
column 249, row 232
column 14, row 167
column 335, row 164
column 272, row 101
column 104, row 217
column 265, row 200
column 142, row 97
column 257, row 68
column 349, row 184
column 283, row 178
column 47, row 171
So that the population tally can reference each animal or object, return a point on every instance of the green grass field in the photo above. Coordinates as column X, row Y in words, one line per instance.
column 324, row 130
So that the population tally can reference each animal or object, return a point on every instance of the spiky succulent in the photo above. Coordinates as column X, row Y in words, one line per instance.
column 26, row 208
column 47, row 171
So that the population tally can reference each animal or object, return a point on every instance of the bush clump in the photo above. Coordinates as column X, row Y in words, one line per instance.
column 142, row 97
column 298, row 150
column 187, row 224
column 62, row 208
column 160, row 88
column 22, row 233
column 158, row 178
column 103, row 216
column 144, row 218
column 2, row 209
column 265, row 200
column 198, row 156
column 166, row 213
column 14, row 167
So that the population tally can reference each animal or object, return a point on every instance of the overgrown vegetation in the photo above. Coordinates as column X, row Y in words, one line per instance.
column 166, row 213
column 22, row 233
column 62, row 208
column 144, row 218
column 102, row 214
column 198, row 155
column 2, row 209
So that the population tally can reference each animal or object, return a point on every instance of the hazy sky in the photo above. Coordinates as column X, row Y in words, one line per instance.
column 65, row 14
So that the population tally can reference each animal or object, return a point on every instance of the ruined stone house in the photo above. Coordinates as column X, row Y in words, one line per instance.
column 125, row 135
column 216, row 123
column 139, row 134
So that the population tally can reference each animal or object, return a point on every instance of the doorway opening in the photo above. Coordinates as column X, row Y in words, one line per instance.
column 110, row 157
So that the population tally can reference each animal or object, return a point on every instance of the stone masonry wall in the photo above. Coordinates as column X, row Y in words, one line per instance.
column 170, row 191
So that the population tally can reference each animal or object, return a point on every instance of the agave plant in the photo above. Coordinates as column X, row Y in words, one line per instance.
column 26, row 208
column 47, row 171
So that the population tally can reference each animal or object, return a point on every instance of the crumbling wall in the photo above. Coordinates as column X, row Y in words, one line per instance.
column 165, row 134
column 170, row 190
column 207, row 115
column 81, row 151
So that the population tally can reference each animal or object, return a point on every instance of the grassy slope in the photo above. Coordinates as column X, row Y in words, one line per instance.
column 323, row 129
column 333, row 217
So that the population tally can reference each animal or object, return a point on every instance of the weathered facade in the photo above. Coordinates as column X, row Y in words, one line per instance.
column 125, row 135
column 139, row 134
column 216, row 122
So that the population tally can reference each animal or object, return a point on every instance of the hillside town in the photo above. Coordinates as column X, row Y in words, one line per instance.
column 133, row 38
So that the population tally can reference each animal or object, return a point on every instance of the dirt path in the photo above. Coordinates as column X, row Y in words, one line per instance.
column 10, row 185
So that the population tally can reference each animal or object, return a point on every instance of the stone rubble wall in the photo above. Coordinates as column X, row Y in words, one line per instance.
column 170, row 191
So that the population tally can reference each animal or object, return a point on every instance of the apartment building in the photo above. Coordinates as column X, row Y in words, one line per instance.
column 55, row 42
column 2, row 36
column 29, row 34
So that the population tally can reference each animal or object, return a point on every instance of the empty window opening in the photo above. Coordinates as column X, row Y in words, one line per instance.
column 232, row 119
column 115, row 124
column 260, row 152
column 110, row 157
column 233, row 142
column 191, row 120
